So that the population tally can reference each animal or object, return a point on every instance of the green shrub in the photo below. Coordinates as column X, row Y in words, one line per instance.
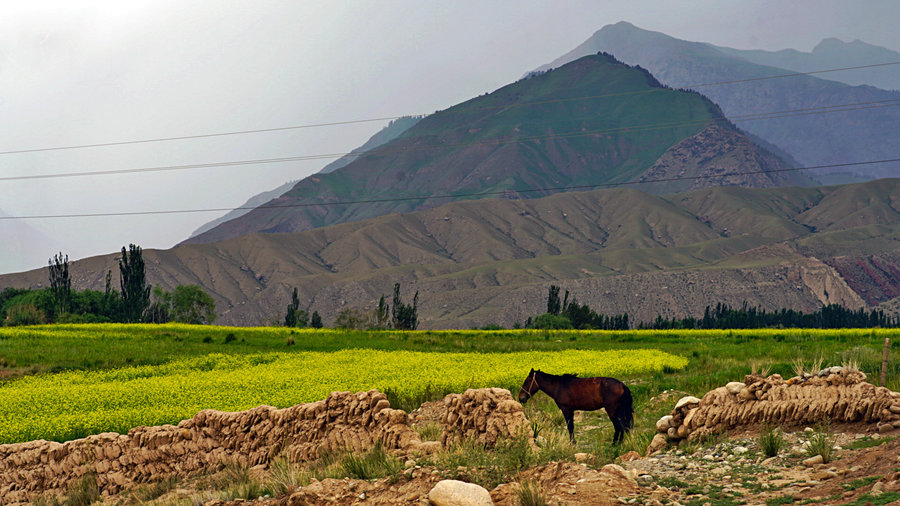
column 531, row 494
column 821, row 442
column 772, row 441
column 429, row 431
column 548, row 321
column 83, row 492
column 376, row 463
column 285, row 476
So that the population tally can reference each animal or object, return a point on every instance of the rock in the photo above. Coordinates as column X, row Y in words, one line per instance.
column 658, row 443
column 690, row 399
column 813, row 461
column 664, row 423
column 459, row 493
column 617, row 470
column 734, row 387
column 582, row 457
column 627, row 457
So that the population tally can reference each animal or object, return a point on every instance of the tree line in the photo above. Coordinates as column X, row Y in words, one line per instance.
column 397, row 314
column 563, row 314
column 131, row 303
column 723, row 316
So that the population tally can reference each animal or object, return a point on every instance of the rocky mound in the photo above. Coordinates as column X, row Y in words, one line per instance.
column 343, row 421
column 484, row 415
column 836, row 394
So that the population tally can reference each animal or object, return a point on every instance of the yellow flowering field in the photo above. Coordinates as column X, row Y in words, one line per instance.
column 74, row 404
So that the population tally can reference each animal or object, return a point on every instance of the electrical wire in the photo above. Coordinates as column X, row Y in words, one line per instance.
column 495, row 141
column 449, row 196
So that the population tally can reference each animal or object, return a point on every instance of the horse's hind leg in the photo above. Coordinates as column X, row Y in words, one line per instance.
column 619, row 434
column 569, row 415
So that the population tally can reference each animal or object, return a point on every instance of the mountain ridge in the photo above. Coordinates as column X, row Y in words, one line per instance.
column 618, row 250
column 853, row 135
column 581, row 126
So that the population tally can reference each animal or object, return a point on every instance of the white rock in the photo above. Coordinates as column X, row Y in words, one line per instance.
column 739, row 450
column 734, row 387
column 690, row 399
column 814, row 460
column 664, row 423
column 459, row 493
column 618, row 470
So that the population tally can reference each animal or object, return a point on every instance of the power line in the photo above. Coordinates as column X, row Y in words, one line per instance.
column 450, row 196
column 390, row 118
column 495, row 141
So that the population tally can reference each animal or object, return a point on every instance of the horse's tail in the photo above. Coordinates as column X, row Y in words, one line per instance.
column 625, row 410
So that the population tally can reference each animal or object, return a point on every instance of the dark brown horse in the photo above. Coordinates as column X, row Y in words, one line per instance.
column 586, row 394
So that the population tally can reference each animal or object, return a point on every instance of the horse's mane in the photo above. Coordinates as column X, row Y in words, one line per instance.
column 563, row 377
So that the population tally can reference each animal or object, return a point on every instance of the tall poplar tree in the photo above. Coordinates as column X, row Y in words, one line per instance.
column 60, row 283
column 135, row 290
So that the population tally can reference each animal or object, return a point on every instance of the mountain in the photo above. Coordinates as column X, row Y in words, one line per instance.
column 386, row 134
column 253, row 202
column 618, row 250
column 868, row 132
column 393, row 130
column 23, row 246
column 591, row 122
column 830, row 54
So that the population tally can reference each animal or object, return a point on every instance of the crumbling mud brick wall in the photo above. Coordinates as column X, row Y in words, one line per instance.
column 202, row 443
column 835, row 394
column 343, row 421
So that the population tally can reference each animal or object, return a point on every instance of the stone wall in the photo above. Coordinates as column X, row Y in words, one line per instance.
column 484, row 414
column 344, row 420
column 835, row 394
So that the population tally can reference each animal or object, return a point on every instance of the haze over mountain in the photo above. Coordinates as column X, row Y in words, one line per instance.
column 23, row 246
column 591, row 122
column 618, row 250
column 829, row 54
column 386, row 134
column 866, row 133
column 253, row 202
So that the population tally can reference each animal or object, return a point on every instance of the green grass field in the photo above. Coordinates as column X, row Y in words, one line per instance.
column 66, row 381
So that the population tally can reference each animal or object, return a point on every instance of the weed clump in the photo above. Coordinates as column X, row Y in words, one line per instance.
column 772, row 441
column 821, row 442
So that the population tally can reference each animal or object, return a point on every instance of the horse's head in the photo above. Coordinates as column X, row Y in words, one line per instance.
column 529, row 387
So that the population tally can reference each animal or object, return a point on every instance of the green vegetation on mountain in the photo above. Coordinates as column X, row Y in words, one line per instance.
column 581, row 124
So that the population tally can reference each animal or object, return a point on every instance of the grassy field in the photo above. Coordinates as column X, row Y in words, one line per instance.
column 92, row 378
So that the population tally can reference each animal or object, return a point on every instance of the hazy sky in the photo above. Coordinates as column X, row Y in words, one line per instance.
column 83, row 72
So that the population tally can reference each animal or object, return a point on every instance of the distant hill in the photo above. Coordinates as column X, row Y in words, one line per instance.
column 253, row 202
column 829, row 54
column 618, row 250
column 593, row 121
column 23, row 246
column 814, row 139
